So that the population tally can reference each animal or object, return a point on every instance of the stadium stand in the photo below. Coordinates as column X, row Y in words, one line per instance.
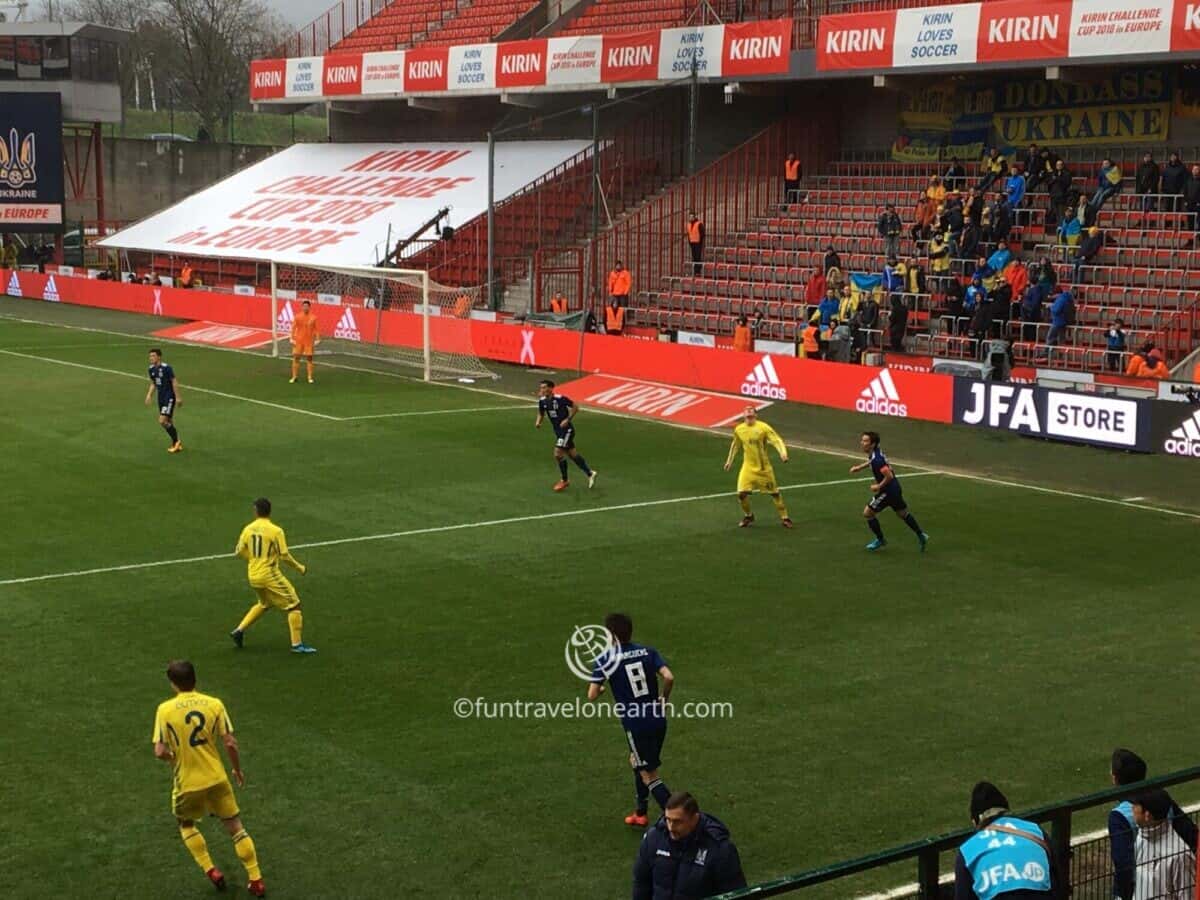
column 608, row 16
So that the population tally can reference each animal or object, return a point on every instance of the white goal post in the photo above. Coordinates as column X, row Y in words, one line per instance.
column 444, row 347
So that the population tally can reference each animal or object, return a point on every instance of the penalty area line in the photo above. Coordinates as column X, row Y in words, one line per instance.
column 437, row 529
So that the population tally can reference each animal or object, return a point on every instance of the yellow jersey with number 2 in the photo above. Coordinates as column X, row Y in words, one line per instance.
column 192, row 724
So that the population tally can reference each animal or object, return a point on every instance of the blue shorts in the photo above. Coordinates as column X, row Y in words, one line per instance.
column 647, row 747
column 166, row 407
column 881, row 501
column 565, row 440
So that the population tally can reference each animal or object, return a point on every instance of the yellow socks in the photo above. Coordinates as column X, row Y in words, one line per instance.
column 779, row 506
column 244, row 847
column 194, row 841
column 252, row 616
column 745, row 502
column 295, row 625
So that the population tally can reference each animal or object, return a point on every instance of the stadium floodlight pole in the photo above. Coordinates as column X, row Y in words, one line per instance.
column 274, row 308
column 491, row 219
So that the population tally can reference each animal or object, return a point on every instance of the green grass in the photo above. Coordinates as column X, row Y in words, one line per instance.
column 248, row 127
column 869, row 692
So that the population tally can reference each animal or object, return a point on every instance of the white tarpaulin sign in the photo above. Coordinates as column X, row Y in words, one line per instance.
column 334, row 203
column 936, row 35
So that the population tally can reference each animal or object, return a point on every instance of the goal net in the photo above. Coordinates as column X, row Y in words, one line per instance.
column 435, row 337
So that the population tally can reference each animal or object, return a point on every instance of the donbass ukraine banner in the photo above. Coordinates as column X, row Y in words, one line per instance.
column 941, row 121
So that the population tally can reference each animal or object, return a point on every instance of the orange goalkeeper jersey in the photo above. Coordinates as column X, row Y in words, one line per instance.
column 304, row 329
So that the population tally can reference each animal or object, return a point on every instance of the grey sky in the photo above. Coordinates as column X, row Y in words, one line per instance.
column 300, row 12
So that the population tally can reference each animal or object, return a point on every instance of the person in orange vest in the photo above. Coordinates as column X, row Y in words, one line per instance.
column 742, row 337
column 619, row 283
column 1154, row 366
column 462, row 307
column 811, row 346
column 614, row 317
column 791, row 178
column 304, row 338
column 558, row 303
column 185, row 274
column 695, row 237
column 1196, row 373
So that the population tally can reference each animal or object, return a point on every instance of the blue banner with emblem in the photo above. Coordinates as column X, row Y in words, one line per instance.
column 31, row 163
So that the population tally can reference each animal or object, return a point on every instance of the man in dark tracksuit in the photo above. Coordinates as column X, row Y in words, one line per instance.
column 1129, row 768
column 1007, row 858
column 686, row 855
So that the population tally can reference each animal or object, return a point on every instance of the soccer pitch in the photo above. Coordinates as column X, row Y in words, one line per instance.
column 1042, row 628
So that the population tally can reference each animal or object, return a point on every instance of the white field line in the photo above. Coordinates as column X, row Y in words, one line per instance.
column 437, row 529
column 437, row 412
column 910, row 469
column 910, row 890
column 190, row 387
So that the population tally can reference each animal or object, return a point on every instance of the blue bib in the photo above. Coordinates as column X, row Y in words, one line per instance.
column 1000, row 862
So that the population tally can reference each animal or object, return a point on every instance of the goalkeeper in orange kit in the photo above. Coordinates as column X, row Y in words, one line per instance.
column 305, row 338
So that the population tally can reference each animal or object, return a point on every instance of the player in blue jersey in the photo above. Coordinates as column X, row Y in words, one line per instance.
column 162, row 380
column 887, row 492
column 632, row 671
column 561, row 412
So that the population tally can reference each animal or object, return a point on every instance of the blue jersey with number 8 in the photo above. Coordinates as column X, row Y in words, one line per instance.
column 633, row 679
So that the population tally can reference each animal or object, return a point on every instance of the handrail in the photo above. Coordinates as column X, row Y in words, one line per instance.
column 931, row 846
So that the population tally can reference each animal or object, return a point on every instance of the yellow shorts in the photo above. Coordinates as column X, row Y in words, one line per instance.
column 750, row 480
column 277, row 592
column 217, row 800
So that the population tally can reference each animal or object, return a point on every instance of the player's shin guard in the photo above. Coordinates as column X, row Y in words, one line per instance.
column 643, row 793
column 243, row 846
column 196, row 845
column 911, row 521
column 780, row 506
column 252, row 616
column 562, row 467
column 745, row 503
column 660, row 792
column 296, row 626
column 582, row 463
column 876, row 528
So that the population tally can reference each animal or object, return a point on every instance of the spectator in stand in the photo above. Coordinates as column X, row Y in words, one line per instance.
column 1191, row 199
column 1014, row 188
column 1029, row 161
column 185, row 275
column 893, row 276
column 867, row 320
column 982, row 318
column 991, row 169
column 974, row 297
column 1154, row 366
column 956, row 176
column 1137, row 361
column 1115, row 340
column 897, row 323
column 1002, row 219
column 914, row 277
column 614, row 317
column 791, row 179
column 558, row 303
column 1174, row 179
column 1164, row 865
column 1085, row 212
column 10, row 257
column 1047, row 275
column 939, row 259
column 1031, row 311
column 695, row 239
column 832, row 260
column 810, row 344
column 814, row 290
column 841, row 344
column 1042, row 171
column 1020, row 868
column 922, row 219
column 953, row 309
column 936, row 191
column 968, row 241
column 954, row 225
column 1089, row 247
column 150, row 278
column 847, row 304
column 1148, row 179
column 1062, row 315
column 985, row 222
column 1069, row 232
column 1108, row 183
column 685, row 854
column 1016, row 277
column 827, row 311
column 889, row 227
column 742, row 339
column 620, row 282
column 1059, row 185
column 835, row 279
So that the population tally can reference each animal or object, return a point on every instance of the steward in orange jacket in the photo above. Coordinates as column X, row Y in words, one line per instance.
column 558, row 303
column 619, row 283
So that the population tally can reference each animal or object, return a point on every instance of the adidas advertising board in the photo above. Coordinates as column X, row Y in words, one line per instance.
column 1177, row 429
column 347, row 327
column 881, row 397
column 763, row 381
column 1096, row 420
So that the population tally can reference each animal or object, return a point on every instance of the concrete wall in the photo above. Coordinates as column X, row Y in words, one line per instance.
column 143, row 177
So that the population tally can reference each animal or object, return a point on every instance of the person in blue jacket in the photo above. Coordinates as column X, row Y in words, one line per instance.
column 1015, row 187
column 828, row 308
column 1007, row 858
column 1061, row 313
column 686, row 855
column 975, row 295
column 1128, row 768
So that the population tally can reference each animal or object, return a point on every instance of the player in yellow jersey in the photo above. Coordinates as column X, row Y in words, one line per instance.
column 263, row 545
column 752, row 437
column 186, row 730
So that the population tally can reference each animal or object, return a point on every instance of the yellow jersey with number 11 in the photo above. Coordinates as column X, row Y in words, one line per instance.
column 262, row 544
